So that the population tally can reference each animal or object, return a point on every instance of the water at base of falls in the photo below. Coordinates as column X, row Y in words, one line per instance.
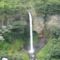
column 4, row 59
column 31, row 51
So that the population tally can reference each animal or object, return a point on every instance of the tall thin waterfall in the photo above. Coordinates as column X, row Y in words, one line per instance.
column 31, row 34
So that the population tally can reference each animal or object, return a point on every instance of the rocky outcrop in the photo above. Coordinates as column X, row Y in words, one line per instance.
column 53, row 21
column 38, row 24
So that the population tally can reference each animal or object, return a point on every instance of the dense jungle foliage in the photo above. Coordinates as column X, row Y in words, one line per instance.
column 14, row 27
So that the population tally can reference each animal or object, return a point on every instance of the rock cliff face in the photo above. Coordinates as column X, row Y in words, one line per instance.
column 53, row 21
column 38, row 24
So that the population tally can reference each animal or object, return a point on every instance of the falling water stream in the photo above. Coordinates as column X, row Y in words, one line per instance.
column 31, row 34
column 31, row 51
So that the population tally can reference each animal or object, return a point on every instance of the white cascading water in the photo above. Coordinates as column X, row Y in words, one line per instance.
column 31, row 34
column 4, row 58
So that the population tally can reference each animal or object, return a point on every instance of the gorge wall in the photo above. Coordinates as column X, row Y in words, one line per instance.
column 53, row 21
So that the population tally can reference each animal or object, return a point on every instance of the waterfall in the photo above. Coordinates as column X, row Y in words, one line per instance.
column 31, row 34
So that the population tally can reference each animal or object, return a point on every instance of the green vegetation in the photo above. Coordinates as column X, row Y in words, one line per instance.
column 50, row 51
column 14, row 27
column 13, row 51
